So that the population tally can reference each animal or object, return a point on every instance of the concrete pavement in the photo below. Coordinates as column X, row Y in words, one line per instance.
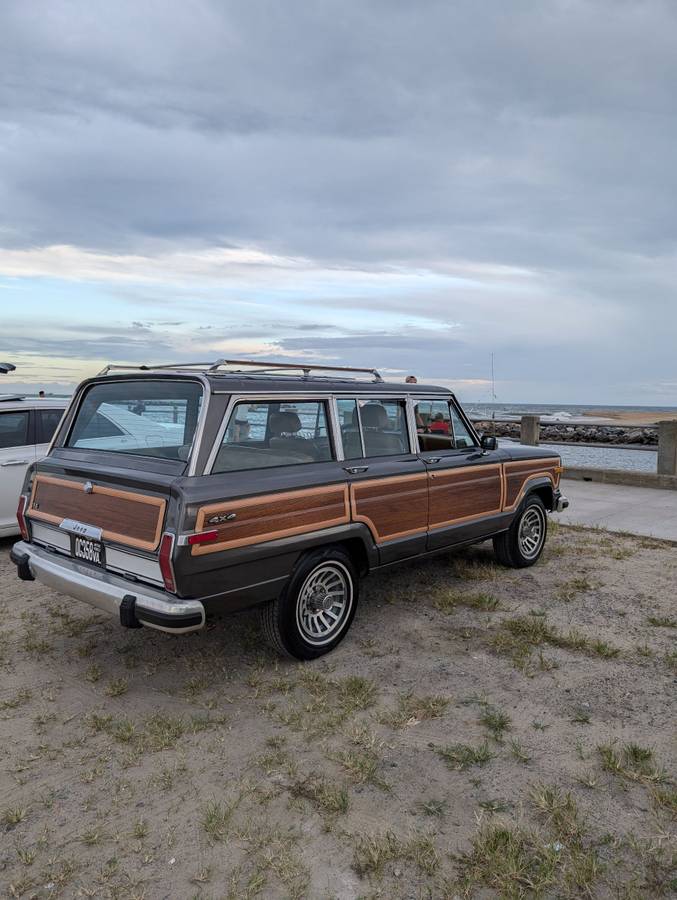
column 638, row 510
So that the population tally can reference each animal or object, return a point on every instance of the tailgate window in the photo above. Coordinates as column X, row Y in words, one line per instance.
column 142, row 418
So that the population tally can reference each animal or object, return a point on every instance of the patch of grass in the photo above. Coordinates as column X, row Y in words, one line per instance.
column 362, row 765
column 326, row 797
column 374, row 851
column 450, row 600
column 632, row 761
column 496, row 806
column 569, row 590
column 329, row 702
column 558, row 811
column 520, row 635
column 496, row 721
column 580, row 717
column 519, row 752
column 472, row 569
column 35, row 645
column 140, row 829
column 93, row 673
column 510, row 861
column 435, row 808
column 665, row 799
column 662, row 621
column 463, row 756
column 13, row 815
column 216, row 820
column 413, row 709
column 19, row 699
column 117, row 687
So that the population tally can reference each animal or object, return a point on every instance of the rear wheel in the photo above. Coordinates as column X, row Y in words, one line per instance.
column 522, row 544
column 313, row 613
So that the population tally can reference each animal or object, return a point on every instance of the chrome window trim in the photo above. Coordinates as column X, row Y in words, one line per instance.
column 411, row 418
column 336, row 430
column 274, row 398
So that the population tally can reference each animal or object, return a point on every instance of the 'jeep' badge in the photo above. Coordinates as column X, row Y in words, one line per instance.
column 88, row 487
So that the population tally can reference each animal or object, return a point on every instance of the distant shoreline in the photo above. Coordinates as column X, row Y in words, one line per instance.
column 621, row 417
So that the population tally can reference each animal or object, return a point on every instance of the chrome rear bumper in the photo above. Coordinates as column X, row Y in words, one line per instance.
column 142, row 605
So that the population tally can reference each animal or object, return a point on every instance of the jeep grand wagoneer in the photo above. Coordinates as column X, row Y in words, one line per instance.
column 172, row 492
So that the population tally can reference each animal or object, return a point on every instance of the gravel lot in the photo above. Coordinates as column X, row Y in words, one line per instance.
column 481, row 732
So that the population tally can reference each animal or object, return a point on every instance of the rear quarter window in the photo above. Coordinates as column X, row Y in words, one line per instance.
column 268, row 433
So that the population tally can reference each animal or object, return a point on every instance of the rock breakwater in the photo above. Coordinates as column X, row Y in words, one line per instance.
column 577, row 434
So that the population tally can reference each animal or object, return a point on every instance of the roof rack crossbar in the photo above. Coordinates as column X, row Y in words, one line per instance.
column 262, row 368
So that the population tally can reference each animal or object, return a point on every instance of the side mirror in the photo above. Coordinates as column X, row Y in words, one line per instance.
column 488, row 442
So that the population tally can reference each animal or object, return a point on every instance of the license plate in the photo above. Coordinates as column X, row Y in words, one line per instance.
column 88, row 550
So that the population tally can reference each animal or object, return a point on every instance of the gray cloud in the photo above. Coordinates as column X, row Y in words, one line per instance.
column 369, row 134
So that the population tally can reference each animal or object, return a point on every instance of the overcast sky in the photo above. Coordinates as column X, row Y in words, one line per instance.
column 407, row 185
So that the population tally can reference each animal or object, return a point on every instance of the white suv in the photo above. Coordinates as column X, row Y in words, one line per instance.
column 26, row 428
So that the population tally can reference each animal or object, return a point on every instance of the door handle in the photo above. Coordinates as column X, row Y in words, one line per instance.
column 15, row 462
column 355, row 470
column 433, row 459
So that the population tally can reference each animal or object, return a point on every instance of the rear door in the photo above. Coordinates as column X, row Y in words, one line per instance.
column 17, row 452
column 388, row 481
column 465, row 484
column 273, row 475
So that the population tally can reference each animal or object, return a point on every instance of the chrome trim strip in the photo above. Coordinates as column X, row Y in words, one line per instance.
column 336, row 429
column 411, row 422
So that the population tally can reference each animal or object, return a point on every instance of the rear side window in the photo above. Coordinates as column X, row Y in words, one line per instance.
column 268, row 433
column 13, row 429
column 47, row 421
column 142, row 418
column 373, row 428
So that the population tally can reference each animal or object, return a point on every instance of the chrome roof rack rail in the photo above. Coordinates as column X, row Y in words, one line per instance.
column 221, row 367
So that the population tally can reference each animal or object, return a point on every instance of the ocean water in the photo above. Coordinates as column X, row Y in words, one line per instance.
column 555, row 410
column 601, row 457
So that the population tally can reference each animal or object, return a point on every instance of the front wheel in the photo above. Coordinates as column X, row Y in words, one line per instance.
column 522, row 544
column 313, row 613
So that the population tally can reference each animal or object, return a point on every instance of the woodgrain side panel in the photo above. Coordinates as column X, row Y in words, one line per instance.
column 123, row 516
column 272, row 516
column 466, row 493
column 519, row 473
column 391, row 507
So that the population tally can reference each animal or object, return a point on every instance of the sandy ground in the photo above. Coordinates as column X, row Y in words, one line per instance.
column 480, row 732
column 617, row 417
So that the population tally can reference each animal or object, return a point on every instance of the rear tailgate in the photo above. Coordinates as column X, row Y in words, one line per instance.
column 123, row 515
column 124, row 510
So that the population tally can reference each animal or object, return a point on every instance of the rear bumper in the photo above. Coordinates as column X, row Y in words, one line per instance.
column 105, row 591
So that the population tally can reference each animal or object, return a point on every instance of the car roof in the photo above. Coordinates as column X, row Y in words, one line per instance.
column 14, row 402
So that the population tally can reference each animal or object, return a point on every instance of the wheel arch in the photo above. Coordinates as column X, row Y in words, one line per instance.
column 544, row 489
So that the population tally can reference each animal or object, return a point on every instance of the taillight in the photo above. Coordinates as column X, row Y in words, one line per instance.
column 165, row 560
column 21, row 517
column 203, row 537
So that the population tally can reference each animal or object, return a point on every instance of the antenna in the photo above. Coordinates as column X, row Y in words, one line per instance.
column 493, row 393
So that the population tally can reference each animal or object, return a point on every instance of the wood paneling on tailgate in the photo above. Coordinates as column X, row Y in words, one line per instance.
column 391, row 507
column 465, row 493
column 520, row 472
column 123, row 516
column 269, row 517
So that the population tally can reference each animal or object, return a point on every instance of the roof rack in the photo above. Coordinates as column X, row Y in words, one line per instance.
column 262, row 368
